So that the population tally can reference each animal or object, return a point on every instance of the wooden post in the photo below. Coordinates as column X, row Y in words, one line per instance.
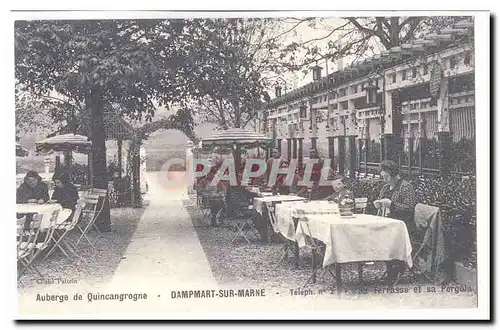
column 90, row 179
column 410, row 155
column 278, row 145
column 58, row 164
column 367, row 150
column 119, row 144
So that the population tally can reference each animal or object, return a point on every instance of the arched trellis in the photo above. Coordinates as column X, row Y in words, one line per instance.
column 118, row 129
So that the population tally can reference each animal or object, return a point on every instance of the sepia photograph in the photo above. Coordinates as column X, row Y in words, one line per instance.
column 225, row 165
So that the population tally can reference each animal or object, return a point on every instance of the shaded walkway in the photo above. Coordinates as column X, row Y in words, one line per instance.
column 165, row 249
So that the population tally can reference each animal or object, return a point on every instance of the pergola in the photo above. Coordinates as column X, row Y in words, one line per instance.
column 69, row 139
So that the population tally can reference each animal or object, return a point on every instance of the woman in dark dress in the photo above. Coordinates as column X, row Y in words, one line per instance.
column 32, row 190
column 65, row 193
column 399, row 198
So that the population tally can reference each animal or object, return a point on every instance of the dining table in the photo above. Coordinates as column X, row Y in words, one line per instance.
column 47, row 209
column 354, row 239
column 259, row 202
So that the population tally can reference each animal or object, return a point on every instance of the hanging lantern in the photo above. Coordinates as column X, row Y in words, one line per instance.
column 316, row 70
column 371, row 93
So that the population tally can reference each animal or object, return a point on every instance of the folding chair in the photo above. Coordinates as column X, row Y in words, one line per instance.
column 89, row 214
column 62, row 229
column 287, row 244
column 427, row 241
column 34, row 246
column 243, row 225
column 26, row 240
column 204, row 204
column 360, row 204
column 316, row 248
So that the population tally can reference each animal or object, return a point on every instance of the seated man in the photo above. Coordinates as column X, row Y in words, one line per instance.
column 339, row 189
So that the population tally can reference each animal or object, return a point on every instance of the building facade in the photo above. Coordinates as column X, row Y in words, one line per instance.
column 397, row 99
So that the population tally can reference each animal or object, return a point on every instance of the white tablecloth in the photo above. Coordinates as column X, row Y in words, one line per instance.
column 285, row 212
column 46, row 209
column 258, row 202
column 362, row 238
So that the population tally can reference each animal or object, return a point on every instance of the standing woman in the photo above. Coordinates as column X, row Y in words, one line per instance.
column 32, row 190
column 398, row 197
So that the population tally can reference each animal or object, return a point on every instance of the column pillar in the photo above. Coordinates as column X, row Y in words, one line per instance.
column 341, row 153
column 352, row 155
column 444, row 135
column 331, row 151
column 393, row 145
column 294, row 148
column 314, row 142
column 300, row 152
column 444, row 142
column 367, row 150
column 289, row 148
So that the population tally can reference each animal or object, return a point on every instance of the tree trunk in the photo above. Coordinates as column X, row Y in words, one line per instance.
column 95, row 105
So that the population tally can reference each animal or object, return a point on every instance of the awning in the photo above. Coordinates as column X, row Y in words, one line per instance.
column 238, row 136
column 65, row 142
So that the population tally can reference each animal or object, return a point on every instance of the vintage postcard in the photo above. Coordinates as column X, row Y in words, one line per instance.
column 259, row 165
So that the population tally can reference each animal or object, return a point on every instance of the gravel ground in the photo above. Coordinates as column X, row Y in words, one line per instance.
column 97, row 266
column 254, row 265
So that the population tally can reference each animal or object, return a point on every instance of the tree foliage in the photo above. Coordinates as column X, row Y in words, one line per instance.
column 232, row 74
column 356, row 37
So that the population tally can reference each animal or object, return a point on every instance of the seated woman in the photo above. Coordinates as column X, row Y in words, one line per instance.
column 32, row 190
column 66, row 194
column 398, row 197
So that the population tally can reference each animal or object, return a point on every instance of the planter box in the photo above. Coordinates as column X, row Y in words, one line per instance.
column 465, row 276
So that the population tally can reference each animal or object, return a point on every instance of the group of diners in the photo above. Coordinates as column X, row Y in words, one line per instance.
column 34, row 190
column 397, row 197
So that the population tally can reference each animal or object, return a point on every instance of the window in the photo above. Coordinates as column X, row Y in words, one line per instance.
column 403, row 75
column 426, row 68
column 394, row 78
column 453, row 62
column 467, row 58
column 414, row 72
